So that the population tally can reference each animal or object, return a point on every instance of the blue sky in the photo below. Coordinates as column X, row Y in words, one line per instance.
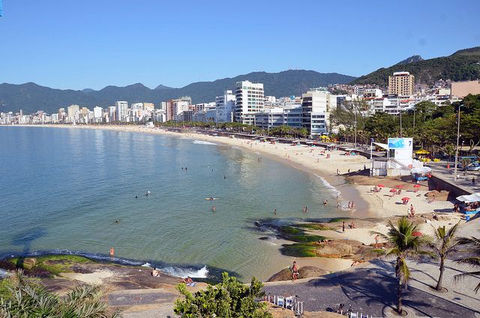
column 91, row 44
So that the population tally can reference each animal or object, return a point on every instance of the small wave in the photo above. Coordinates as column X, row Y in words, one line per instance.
column 329, row 186
column 184, row 272
column 202, row 142
column 172, row 270
column 3, row 273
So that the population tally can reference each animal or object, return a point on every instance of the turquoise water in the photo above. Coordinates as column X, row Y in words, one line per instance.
column 63, row 189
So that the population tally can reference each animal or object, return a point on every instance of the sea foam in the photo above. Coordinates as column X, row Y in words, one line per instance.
column 202, row 142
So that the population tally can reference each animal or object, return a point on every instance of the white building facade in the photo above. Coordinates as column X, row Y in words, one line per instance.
column 249, row 100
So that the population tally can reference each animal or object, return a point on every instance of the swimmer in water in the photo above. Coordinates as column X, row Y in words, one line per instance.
column 136, row 197
column 325, row 202
column 275, row 211
column 214, row 208
column 117, row 221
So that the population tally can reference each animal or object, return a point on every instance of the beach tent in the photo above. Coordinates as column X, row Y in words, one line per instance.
column 421, row 170
column 469, row 198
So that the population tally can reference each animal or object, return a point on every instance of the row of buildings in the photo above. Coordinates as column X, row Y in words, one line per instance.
column 247, row 103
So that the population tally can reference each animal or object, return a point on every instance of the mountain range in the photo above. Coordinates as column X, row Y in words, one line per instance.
column 460, row 66
column 31, row 97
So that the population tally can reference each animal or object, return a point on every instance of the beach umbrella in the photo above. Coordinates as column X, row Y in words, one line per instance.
column 399, row 186
column 405, row 198
column 393, row 190
column 416, row 186
column 380, row 185
column 417, row 233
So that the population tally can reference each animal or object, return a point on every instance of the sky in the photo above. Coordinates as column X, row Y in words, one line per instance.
column 94, row 43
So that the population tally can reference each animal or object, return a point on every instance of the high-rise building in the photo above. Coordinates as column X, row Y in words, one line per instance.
column 73, row 112
column 225, row 107
column 112, row 113
column 122, row 110
column 316, row 106
column 249, row 100
column 97, row 114
column 401, row 84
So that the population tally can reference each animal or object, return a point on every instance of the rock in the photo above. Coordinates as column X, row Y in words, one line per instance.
column 305, row 272
column 29, row 263
column 311, row 271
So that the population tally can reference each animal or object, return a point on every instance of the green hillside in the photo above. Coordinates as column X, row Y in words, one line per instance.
column 461, row 66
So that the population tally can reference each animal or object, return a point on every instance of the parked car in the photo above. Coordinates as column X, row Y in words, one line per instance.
column 473, row 167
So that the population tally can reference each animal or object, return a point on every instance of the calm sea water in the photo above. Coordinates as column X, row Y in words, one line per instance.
column 63, row 189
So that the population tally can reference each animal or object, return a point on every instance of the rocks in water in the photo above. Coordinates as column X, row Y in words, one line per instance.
column 29, row 263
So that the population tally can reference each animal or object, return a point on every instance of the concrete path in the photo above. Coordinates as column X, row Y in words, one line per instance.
column 372, row 289
column 143, row 302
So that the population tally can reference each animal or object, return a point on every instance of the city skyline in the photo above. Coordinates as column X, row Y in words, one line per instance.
column 107, row 43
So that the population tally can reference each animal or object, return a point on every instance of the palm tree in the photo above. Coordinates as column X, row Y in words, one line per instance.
column 473, row 260
column 27, row 298
column 404, row 244
column 444, row 245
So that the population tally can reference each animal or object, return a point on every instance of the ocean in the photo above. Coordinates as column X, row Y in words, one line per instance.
column 83, row 191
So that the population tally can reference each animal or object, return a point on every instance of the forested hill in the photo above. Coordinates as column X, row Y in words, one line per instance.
column 460, row 66
column 31, row 97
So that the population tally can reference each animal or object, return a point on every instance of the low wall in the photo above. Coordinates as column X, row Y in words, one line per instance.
column 436, row 183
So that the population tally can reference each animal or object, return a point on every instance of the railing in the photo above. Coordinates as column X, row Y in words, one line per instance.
column 289, row 302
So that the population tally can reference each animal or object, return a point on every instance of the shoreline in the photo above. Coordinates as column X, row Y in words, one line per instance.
column 348, row 192
column 315, row 162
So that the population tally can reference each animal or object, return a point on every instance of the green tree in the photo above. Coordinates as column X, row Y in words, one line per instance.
column 26, row 298
column 404, row 244
column 473, row 259
column 445, row 244
column 228, row 299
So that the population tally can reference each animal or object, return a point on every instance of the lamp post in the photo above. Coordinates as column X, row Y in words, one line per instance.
column 458, row 139
column 371, row 156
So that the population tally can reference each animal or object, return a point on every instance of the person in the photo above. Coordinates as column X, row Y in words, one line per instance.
column 117, row 221
column 376, row 240
column 348, row 170
column 155, row 273
column 136, row 197
column 295, row 272
column 352, row 225
column 338, row 172
column 456, row 208
column 112, row 252
column 214, row 208
column 275, row 211
column 473, row 180
column 306, row 209
column 224, row 177
column 325, row 202
column 435, row 217
column 343, row 226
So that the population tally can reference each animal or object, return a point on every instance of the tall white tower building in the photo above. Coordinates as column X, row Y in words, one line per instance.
column 250, row 100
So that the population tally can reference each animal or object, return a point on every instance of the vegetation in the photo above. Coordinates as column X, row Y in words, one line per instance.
column 460, row 66
column 473, row 245
column 230, row 298
column 444, row 245
column 315, row 226
column 27, row 298
column 299, row 250
column 48, row 265
column 404, row 244
column 305, row 244
column 432, row 128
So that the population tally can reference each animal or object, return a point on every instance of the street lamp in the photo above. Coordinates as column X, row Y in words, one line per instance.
column 371, row 156
column 458, row 139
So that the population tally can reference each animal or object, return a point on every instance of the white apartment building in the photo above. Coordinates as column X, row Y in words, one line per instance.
column 97, row 114
column 316, row 106
column 112, row 113
column 122, row 110
column 280, row 116
column 250, row 100
column 225, row 107
column 73, row 113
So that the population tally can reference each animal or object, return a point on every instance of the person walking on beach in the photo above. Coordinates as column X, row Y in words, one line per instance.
column 295, row 272
column 343, row 226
